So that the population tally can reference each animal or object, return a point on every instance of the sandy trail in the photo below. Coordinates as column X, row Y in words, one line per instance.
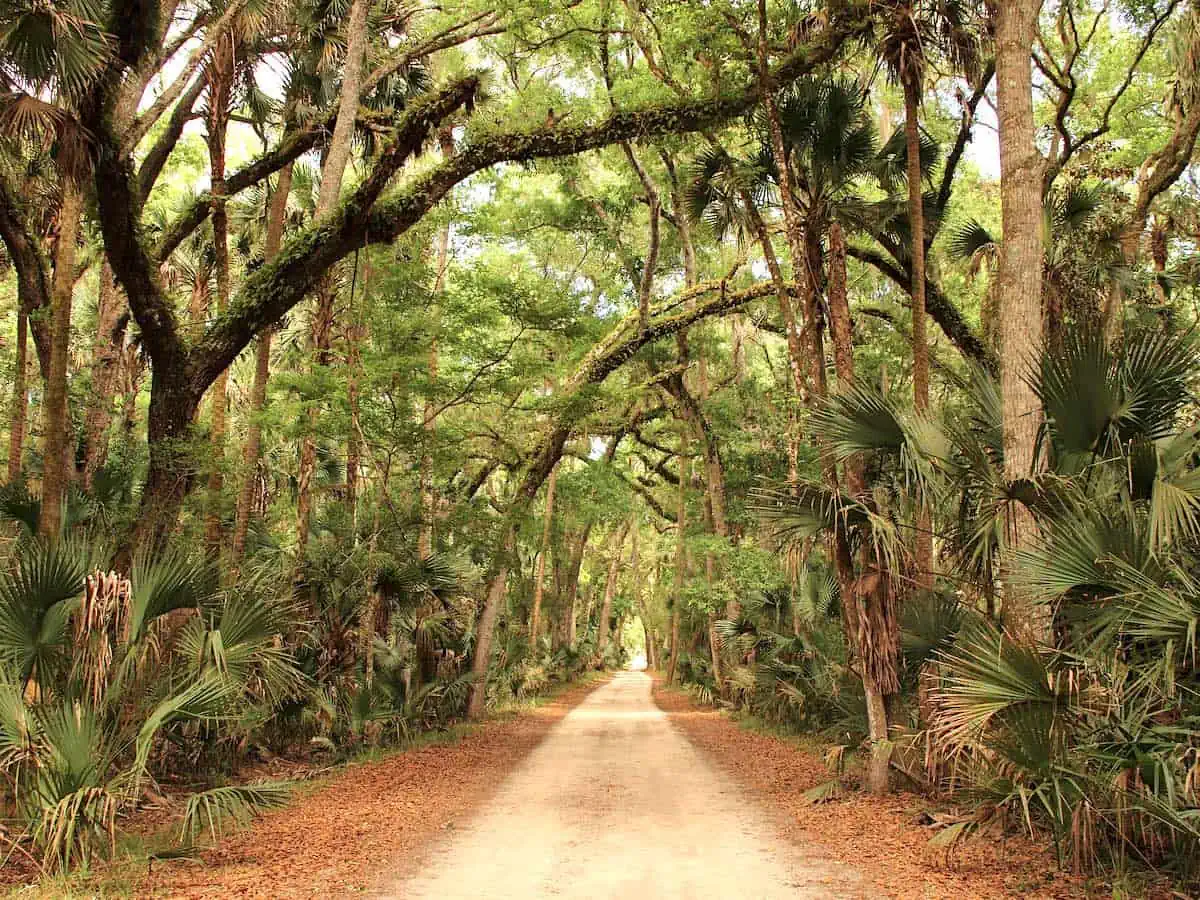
column 617, row 803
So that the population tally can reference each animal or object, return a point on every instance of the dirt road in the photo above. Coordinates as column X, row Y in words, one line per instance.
column 617, row 803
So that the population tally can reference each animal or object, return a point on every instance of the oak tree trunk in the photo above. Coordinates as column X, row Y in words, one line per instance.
column 610, row 590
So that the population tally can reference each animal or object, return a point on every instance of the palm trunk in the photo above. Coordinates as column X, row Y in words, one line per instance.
column 16, row 422
column 334, row 168
column 916, row 216
column 220, row 87
column 54, row 462
column 1019, row 285
column 855, row 615
column 796, row 361
column 262, row 373
column 539, row 578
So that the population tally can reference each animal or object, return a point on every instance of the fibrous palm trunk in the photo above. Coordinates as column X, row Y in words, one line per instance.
column 875, row 647
column 219, row 98
column 920, row 343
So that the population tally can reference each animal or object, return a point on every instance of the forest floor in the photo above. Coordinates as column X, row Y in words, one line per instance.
column 883, row 838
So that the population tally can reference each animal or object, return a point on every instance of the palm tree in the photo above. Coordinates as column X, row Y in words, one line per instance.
column 337, row 157
column 54, row 52
column 918, row 34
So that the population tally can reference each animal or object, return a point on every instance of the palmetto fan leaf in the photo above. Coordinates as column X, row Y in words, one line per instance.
column 219, row 809
column 990, row 684
column 1084, row 549
column 35, row 601
column 826, row 124
column 1098, row 397
column 60, row 46
column 971, row 242
column 164, row 583
column 860, row 420
column 437, row 577
column 891, row 162
column 713, row 193
column 808, row 509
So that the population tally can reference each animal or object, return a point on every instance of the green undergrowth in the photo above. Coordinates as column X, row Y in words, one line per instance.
column 137, row 854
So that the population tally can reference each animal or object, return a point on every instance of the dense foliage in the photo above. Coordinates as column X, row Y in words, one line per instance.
column 372, row 364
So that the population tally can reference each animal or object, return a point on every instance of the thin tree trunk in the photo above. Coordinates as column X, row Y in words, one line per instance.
column 1019, row 285
column 916, row 216
column 54, row 461
column 570, row 602
column 429, row 415
column 680, row 556
column 485, row 630
column 219, row 99
column 112, row 318
column 539, row 577
column 334, row 168
column 276, row 216
column 16, row 422
column 920, row 342
column 610, row 590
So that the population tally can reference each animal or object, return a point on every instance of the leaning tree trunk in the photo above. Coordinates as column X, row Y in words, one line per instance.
column 567, row 624
column 276, row 216
column 1019, row 287
column 539, row 577
column 16, row 422
column 486, row 628
column 680, row 557
column 336, row 159
column 920, row 342
column 54, row 461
